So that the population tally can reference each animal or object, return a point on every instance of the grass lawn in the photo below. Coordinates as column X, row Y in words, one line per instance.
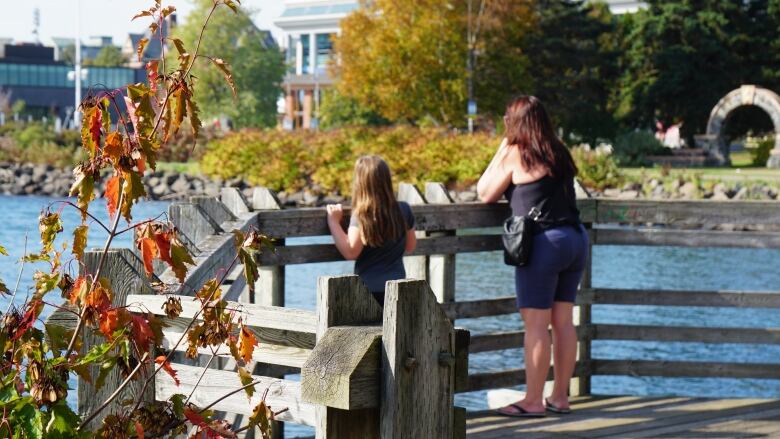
column 725, row 174
column 190, row 168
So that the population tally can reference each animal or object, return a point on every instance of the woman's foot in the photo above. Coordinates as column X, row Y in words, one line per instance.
column 522, row 409
column 559, row 406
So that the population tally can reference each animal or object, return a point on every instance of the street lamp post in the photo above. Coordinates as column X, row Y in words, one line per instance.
column 77, row 67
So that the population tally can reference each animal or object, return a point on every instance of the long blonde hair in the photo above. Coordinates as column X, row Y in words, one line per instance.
column 373, row 202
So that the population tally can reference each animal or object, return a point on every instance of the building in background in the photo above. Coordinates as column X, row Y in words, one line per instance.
column 624, row 6
column 31, row 73
column 64, row 48
column 308, row 27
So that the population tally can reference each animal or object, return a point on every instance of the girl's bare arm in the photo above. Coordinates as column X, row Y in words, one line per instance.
column 348, row 243
column 411, row 240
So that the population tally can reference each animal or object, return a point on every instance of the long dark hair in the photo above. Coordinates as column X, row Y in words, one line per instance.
column 529, row 128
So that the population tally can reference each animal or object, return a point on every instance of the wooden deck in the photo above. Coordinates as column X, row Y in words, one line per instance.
column 635, row 417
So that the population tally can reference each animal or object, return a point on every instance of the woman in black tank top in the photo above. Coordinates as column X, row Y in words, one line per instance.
column 533, row 168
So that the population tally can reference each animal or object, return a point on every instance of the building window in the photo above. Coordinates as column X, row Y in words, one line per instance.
column 324, row 49
column 305, row 43
column 292, row 47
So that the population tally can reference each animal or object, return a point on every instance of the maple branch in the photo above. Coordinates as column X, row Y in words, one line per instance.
column 18, row 278
column 186, row 330
column 128, row 228
column 115, row 394
column 200, row 378
column 248, row 426
column 83, row 211
column 80, row 324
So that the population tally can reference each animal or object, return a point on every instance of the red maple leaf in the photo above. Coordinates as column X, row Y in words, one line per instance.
column 95, row 124
column 148, row 253
column 33, row 310
column 112, row 195
column 166, row 365
column 142, row 333
column 163, row 241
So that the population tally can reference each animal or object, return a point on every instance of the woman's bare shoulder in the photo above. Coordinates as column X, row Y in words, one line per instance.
column 521, row 175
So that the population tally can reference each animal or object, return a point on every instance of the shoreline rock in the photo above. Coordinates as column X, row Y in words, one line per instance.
column 47, row 180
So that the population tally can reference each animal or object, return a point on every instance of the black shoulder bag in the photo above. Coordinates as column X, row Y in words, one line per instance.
column 518, row 237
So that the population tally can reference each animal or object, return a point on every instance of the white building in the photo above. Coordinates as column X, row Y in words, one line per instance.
column 308, row 27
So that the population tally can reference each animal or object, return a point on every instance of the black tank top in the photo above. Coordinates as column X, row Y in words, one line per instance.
column 554, row 197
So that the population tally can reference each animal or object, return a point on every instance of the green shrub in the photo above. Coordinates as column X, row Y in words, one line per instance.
column 34, row 134
column 632, row 148
column 43, row 153
column 760, row 149
column 292, row 160
column 597, row 169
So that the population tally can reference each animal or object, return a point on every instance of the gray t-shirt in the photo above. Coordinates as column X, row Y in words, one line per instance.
column 377, row 265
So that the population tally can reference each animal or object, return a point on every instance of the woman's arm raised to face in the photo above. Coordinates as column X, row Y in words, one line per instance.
column 496, row 177
column 348, row 243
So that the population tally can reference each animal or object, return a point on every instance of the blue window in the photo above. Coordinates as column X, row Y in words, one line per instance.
column 324, row 49
column 306, row 58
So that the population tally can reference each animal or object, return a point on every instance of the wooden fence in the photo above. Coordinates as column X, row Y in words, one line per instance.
column 347, row 358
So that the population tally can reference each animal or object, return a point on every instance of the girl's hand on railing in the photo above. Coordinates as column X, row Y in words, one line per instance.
column 335, row 213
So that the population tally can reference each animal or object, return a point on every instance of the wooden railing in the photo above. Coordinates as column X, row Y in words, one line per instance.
column 347, row 358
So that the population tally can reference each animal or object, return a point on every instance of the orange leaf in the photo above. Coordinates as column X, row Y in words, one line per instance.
column 112, row 320
column 195, row 418
column 95, row 124
column 148, row 252
column 163, row 241
column 99, row 299
column 140, row 163
column 246, row 344
column 139, row 430
column 77, row 290
column 142, row 332
column 166, row 365
column 113, row 147
column 112, row 195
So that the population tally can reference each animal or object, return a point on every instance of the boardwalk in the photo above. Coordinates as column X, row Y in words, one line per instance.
column 634, row 417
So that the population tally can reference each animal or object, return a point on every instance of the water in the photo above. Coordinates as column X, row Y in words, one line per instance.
column 483, row 275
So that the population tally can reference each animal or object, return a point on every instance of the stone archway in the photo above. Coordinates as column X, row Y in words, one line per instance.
column 763, row 98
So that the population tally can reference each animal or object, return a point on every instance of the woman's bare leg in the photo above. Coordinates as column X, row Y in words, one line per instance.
column 564, row 352
column 537, row 356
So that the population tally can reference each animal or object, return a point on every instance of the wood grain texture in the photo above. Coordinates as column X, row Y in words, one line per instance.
column 687, row 334
column 418, row 389
column 235, row 201
column 685, row 369
column 125, row 273
column 686, row 238
column 416, row 267
column 344, row 301
column 193, row 222
column 480, row 308
column 727, row 299
column 270, row 280
column 216, row 383
column 441, row 266
column 213, row 208
column 254, row 316
column 344, row 368
column 687, row 212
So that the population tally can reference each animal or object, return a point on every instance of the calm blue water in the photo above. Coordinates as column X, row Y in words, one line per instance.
column 484, row 275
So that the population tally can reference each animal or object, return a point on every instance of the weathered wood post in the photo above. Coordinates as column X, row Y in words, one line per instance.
column 270, row 281
column 343, row 300
column 418, row 364
column 416, row 266
column 441, row 268
column 580, row 386
column 125, row 273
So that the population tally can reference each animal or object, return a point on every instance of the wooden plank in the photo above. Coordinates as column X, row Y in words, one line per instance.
column 441, row 266
column 259, row 316
column 193, row 222
column 700, row 369
column 264, row 352
column 686, row 238
column 512, row 377
column 304, row 254
column 341, row 301
column 688, row 334
column 497, row 341
column 344, row 368
column 418, row 358
column 312, row 221
column 217, row 252
column 216, row 383
column 125, row 274
column 687, row 212
column 728, row 299
column 416, row 267
column 480, row 308
column 213, row 208
column 235, row 201
column 270, row 280
column 462, row 344
column 582, row 318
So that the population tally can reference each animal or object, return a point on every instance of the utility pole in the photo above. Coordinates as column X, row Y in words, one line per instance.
column 471, row 108
column 77, row 67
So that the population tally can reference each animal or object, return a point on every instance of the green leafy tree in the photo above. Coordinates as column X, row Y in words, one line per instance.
column 258, row 66
column 405, row 59
column 573, row 65
column 680, row 57
column 108, row 56
column 337, row 110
